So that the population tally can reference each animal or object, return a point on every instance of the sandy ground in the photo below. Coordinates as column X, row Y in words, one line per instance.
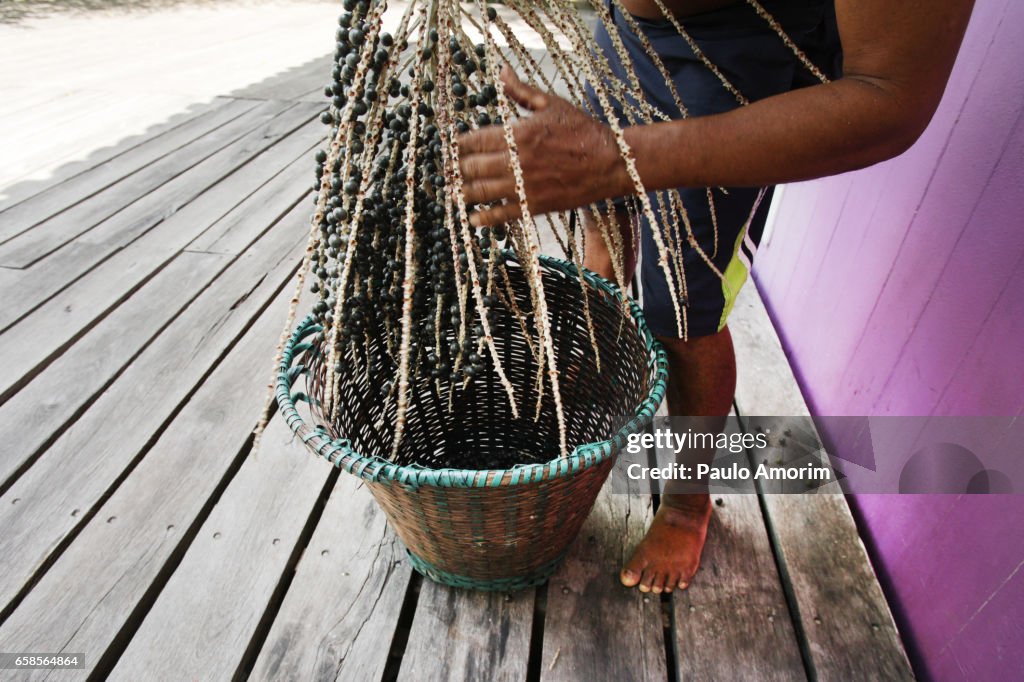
column 78, row 76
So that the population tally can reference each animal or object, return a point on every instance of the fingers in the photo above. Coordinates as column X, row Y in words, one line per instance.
column 522, row 94
column 488, row 179
column 491, row 165
column 503, row 213
column 485, row 162
column 486, row 190
column 484, row 140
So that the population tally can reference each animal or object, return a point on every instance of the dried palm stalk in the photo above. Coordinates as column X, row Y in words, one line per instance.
column 406, row 287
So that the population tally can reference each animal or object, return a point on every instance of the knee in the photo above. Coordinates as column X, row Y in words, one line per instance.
column 712, row 349
column 612, row 240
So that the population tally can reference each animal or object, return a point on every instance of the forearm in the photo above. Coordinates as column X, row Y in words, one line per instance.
column 808, row 133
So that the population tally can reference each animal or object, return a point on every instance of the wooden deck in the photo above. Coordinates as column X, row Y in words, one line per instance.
column 142, row 300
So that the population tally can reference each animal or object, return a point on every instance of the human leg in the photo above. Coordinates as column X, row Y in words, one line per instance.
column 688, row 296
column 596, row 255
column 702, row 380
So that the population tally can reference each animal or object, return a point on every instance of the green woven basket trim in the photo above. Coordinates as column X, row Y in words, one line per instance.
column 295, row 372
column 362, row 468
column 538, row 577
column 340, row 452
column 301, row 397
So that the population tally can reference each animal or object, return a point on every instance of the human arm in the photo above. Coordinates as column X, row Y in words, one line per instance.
column 897, row 58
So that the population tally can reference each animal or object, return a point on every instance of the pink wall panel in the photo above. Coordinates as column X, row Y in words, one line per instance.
column 899, row 290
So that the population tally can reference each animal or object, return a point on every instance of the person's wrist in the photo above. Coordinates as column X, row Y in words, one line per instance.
column 617, row 181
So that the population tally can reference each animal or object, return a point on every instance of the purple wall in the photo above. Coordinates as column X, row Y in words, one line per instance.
column 900, row 290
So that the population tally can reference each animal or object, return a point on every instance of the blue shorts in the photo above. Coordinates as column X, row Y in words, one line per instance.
column 756, row 61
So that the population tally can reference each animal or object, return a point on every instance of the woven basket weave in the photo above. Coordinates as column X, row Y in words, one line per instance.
column 481, row 499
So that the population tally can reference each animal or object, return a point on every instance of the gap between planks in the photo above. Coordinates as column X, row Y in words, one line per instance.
column 835, row 596
column 60, row 394
column 86, row 301
column 110, row 166
column 74, row 260
column 225, row 129
column 58, row 490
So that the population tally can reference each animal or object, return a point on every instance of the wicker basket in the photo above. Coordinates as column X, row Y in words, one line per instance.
column 481, row 499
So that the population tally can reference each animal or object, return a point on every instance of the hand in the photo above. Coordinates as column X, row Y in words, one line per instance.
column 568, row 159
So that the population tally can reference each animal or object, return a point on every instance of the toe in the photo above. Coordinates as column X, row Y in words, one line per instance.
column 646, row 581
column 657, row 583
column 633, row 570
column 683, row 584
column 671, row 581
column 631, row 574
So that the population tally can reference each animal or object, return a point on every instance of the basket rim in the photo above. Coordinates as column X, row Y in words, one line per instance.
column 376, row 469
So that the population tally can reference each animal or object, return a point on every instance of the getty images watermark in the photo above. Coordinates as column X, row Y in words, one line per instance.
column 691, row 441
column 952, row 455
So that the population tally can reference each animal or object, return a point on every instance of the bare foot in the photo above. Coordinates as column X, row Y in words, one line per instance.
column 669, row 555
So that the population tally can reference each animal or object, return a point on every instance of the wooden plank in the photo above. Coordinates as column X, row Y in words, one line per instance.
column 733, row 623
column 596, row 629
column 111, row 164
column 14, row 195
column 294, row 83
column 232, row 234
column 466, row 635
column 40, row 147
column 47, row 236
column 9, row 276
column 338, row 617
column 294, row 126
column 314, row 95
column 230, row 170
column 201, row 625
column 842, row 611
column 27, row 288
column 47, row 330
column 246, row 541
column 75, row 473
column 42, row 408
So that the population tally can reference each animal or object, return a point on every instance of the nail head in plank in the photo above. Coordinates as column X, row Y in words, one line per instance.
column 595, row 628
column 340, row 612
column 40, row 409
column 733, row 623
column 843, row 612
column 112, row 565
column 205, row 617
column 81, row 466
column 466, row 635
